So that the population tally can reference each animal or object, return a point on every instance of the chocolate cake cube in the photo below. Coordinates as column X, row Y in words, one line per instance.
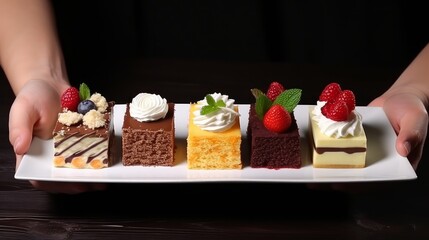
column 148, row 143
column 273, row 150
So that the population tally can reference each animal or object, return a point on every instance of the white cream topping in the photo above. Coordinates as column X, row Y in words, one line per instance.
column 338, row 129
column 218, row 121
column 146, row 107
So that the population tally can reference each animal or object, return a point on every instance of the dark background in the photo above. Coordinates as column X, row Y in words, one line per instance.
column 100, row 37
column 366, row 33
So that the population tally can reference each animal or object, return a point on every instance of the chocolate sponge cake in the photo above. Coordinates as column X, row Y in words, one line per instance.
column 148, row 143
column 272, row 130
column 270, row 149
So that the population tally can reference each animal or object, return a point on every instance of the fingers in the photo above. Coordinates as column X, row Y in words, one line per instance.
column 21, row 121
column 33, row 112
column 412, row 136
column 409, row 118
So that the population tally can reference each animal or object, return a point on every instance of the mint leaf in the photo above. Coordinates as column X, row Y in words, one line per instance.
column 84, row 92
column 208, row 109
column 263, row 103
column 256, row 92
column 210, row 100
column 212, row 106
column 220, row 103
column 289, row 99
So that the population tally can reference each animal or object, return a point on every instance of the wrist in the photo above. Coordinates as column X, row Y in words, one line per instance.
column 55, row 86
column 55, row 79
column 407, row 90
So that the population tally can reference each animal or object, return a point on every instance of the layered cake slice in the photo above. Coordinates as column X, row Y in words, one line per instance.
column 214, row 135
column 84, row 135
column 272, row 131
column 148, row 132
column 338, row 139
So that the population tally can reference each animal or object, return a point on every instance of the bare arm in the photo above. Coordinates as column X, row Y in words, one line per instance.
column 415, row 78
column 29, row 47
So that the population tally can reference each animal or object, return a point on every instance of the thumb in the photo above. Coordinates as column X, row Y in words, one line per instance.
column 411, row 136
column 21, row 121
column 409, row 118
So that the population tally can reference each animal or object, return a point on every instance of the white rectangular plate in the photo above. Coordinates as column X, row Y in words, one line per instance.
column 383, row 162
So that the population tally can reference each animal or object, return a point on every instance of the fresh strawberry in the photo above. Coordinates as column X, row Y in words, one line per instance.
column 330, row 92
column 70, row 99
column 338, row 111
column 277, row 119
column 349, row 98
column 274, row 90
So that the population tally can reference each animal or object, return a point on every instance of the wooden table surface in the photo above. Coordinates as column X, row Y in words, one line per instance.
column 393, row 210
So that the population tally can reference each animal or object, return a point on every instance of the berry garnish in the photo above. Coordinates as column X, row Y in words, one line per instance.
column 86, row 106
column 70, row 99
column 339, row 103
column 271, row 111
column 326, row 108
column 277, row 119
column 338, row 111
column 330, row 92
column 349, row 98
column 274, row 90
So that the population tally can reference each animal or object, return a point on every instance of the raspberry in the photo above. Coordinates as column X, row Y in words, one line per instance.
column 330, row 92
column 326, row 108
column 70, row 99
column 338, row 111
column 349, row 98
column 274, row 90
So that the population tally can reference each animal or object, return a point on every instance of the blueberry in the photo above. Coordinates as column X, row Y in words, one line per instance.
column 85, row 106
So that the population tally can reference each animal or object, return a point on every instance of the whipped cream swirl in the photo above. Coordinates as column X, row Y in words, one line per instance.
column 218, row 121
column 146, row 107
column 338, row 129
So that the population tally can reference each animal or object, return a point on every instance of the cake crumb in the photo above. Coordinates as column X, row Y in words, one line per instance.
column 99, row 101
column 69, row 118
column 94, row 119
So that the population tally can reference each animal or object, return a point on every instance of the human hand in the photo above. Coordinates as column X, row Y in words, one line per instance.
column 34, row 113
column 408, row 116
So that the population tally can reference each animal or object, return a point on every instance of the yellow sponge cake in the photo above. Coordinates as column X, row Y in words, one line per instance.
column 214, row 135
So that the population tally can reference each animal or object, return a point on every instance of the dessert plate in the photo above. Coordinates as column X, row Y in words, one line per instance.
column 383, row 162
